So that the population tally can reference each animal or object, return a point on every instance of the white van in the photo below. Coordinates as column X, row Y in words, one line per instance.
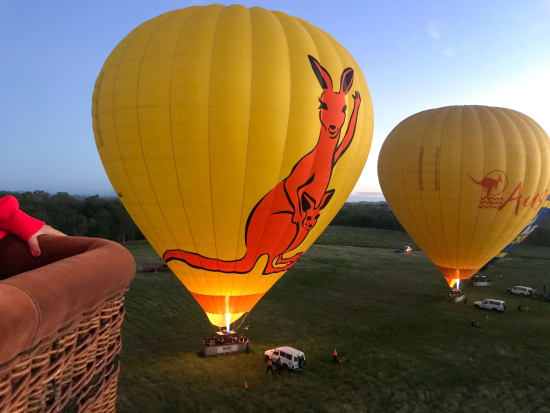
column 521, row 290
column 491, row 304
column 286, row 356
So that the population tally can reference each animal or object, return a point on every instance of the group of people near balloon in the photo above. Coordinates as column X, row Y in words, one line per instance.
column 455, row 294
column 225, row 340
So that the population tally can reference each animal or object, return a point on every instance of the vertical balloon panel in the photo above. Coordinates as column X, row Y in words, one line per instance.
column 200, row 116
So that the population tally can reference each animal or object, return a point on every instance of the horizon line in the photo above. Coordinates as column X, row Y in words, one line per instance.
column 367, row 195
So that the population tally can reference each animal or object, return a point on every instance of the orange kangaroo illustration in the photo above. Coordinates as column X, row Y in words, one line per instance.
column 281, row 220
column 487, row 183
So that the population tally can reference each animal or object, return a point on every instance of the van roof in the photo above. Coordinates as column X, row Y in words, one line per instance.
column 290, row 350
column 522, row 286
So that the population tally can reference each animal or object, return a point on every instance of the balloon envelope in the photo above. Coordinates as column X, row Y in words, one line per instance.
column 232, row 137
column 464, row 180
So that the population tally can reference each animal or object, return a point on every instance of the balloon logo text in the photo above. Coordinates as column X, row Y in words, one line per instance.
column 494, row 184
column 523, row 200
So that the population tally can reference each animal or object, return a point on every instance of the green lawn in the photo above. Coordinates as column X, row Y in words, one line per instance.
column 410, row 350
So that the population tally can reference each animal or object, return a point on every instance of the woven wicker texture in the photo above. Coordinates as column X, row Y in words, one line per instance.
column 77, row 371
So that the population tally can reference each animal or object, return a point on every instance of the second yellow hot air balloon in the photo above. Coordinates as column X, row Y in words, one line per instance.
column 464, row 180
column 232, row 136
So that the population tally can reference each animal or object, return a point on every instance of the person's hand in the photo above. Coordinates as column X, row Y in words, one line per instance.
column 34, row 247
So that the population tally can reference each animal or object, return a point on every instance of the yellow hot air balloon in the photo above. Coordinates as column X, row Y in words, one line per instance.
column 232, row 137
column 464, row 180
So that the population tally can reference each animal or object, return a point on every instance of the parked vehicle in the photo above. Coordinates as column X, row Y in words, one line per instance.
column 287, row 357
column 491, row 304
column 405, row 250
column 522, row 290
column 481, row 281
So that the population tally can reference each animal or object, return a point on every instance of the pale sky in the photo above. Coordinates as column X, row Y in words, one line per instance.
column 415, row 55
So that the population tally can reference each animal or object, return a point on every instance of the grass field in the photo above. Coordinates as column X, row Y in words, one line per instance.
column 410, row 350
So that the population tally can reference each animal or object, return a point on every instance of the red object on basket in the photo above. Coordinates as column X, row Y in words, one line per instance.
column 15, row 221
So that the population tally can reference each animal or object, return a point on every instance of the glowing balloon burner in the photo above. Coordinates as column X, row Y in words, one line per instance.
column 228, row 322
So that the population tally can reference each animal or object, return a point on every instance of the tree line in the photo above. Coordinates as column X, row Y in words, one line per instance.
column 104, row 217
column 367, row 214
column 91, row 216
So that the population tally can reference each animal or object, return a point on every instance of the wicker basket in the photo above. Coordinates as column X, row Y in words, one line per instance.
column 74, row 368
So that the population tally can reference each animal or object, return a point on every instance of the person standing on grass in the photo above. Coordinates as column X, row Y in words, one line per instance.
column 335, row 356
column 279, row 365
column 269, row 367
